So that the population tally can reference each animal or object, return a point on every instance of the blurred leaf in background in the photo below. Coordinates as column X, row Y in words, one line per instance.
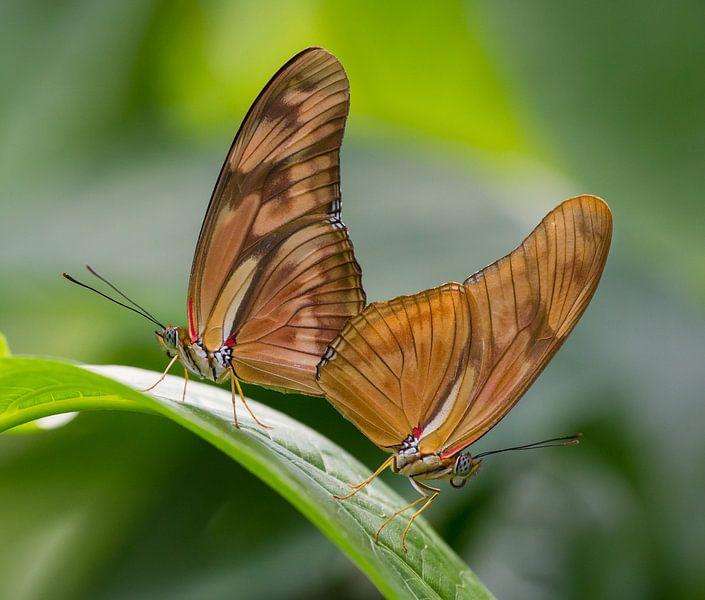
column 469, row 121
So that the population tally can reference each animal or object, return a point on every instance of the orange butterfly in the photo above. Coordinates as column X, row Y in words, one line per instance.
column 274, row 278
column 425, row 376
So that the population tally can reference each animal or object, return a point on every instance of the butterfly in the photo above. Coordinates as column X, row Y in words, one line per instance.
column 426, row 376
column 274, row 278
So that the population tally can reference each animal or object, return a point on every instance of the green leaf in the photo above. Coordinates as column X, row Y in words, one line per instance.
column 4, row 348
column 301, row 465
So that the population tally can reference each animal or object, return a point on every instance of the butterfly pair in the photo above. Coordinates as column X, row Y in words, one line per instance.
column 275, row 295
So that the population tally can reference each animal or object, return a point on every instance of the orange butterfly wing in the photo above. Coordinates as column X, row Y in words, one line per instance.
column 398, row 361
column 514, row 315
column 274, row 272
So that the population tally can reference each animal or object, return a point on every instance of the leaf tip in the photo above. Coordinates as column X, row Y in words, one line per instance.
column 4, row 347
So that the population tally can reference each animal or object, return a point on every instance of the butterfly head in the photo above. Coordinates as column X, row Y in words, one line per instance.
column 465, row 467
column 170, row 339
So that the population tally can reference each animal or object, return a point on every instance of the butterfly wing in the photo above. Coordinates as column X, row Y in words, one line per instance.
column 274, row 274
column 397, row 361
column 499, row 332
column 523, row 308
column 304, row 298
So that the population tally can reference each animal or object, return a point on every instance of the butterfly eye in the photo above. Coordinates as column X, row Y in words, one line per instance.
column 170, row 337
column 462, row 470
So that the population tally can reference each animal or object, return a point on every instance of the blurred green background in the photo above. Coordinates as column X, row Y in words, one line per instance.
column 469, row 121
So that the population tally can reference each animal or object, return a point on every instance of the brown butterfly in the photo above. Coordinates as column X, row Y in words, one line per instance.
column 425, row 376
column 274, row 278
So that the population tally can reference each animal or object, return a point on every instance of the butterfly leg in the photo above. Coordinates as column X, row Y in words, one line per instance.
column 435, row 492
column 183, row 393
column 158, row 381
column 232, row 389
column 396, row 514
column 235, row 383
column 358, row 486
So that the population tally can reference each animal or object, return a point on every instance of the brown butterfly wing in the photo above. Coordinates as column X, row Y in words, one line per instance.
column 397, row 361
column 273, row 225
column 300, row 301
column 523, row 308
column 517, row 312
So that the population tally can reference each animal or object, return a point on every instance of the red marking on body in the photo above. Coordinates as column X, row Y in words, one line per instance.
column 416, row 432
column 454, row 450
column 191, row 326
column 230, row 342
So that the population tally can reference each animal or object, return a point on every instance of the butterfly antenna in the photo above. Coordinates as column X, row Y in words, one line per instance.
column 568, row 440
column 92, row 271
column 140, row 312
